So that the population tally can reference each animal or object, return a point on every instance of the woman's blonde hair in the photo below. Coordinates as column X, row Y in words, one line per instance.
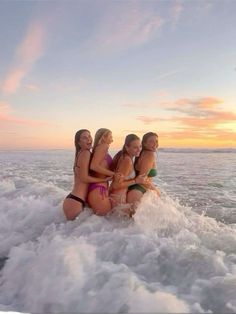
column 98, row 136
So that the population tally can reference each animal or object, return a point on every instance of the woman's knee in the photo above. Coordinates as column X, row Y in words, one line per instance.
column 71, row 214
column 134, row 196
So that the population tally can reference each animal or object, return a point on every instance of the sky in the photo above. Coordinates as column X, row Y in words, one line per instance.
column 130, row 66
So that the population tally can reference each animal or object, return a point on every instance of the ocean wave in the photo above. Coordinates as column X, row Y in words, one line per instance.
column 166, row 259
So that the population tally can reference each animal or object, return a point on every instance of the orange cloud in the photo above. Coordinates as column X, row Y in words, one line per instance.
column 192, row 138
column 211, row 120
column 28, row 52
column 201, row 122
column 204, row 102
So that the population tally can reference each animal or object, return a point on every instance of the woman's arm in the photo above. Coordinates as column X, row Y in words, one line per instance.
column 83, row 166
column 125, row 167
column 146, row 163
column 98, row 157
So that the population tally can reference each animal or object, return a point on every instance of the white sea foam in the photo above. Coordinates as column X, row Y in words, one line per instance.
column 167, row 259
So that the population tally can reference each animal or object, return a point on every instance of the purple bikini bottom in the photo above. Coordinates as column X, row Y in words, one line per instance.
column 102, row 189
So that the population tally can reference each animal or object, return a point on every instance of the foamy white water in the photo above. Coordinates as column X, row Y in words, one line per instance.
column 178, row 254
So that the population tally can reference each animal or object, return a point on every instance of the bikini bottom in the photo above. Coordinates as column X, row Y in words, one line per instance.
column 76, row 198
column 102, row 189
column 137, row 187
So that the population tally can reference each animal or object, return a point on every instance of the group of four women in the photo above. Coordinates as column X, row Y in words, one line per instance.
column 130, row 172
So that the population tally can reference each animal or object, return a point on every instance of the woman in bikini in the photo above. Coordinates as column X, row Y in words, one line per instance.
column 123, row 163
column 98, row 198
column 145, row 163
column 75, row 201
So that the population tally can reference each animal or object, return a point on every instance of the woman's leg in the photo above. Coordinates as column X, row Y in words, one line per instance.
column 72, row 208
column 134, row 196
column 99, row 201
column 119, row 204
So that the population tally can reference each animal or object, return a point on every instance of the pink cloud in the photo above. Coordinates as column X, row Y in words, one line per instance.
column 14, row 120
column 27, row 53
column 7, row 118
column 200, row 107
column 200, row 119
column 147, row 120
column 4, row 107
column 204, row 102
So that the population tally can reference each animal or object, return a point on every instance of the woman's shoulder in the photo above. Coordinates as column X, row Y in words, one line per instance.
column 147, row 154
column 102, row 147
column 126, row 159
column 84, row 153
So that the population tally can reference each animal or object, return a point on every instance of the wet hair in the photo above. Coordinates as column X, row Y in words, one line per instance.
column 99, row 134
column 144, row 141
column 77, row 139
column 146, row 137
column 128, row 140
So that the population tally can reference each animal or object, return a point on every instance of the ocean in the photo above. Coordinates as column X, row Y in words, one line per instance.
column 177, row 254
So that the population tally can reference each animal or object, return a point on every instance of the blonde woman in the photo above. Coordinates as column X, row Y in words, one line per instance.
column 100, row 167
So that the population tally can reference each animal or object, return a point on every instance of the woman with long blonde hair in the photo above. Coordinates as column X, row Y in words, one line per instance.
column 98, row 197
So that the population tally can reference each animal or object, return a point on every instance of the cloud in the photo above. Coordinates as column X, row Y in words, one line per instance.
column 15, row 120
column 168, row 74
column 215, row 134
column 212, row 120
column 7, row 118
column 148, row 120
column 175, row 12
column 201, row 119
column 203, row 113
column 129, row 105
column 27, row 53
column 32, row 87
column 200, row 107
column 4, row 107
column 204, row 102
column 126, row 25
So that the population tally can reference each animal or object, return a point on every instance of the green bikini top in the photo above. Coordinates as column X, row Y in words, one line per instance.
column 152, row 172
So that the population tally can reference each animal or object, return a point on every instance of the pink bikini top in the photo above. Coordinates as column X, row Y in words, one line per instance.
column 108, row 159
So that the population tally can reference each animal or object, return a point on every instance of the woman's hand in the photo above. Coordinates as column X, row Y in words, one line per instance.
column 141, row 179
column 108, row 178
column 118, row 177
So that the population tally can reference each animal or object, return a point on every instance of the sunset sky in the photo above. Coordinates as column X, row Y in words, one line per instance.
column 130, row 66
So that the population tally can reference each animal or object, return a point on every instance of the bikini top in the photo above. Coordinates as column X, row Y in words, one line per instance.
column 108, row 159
column 152, row 172
column 132, row 175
